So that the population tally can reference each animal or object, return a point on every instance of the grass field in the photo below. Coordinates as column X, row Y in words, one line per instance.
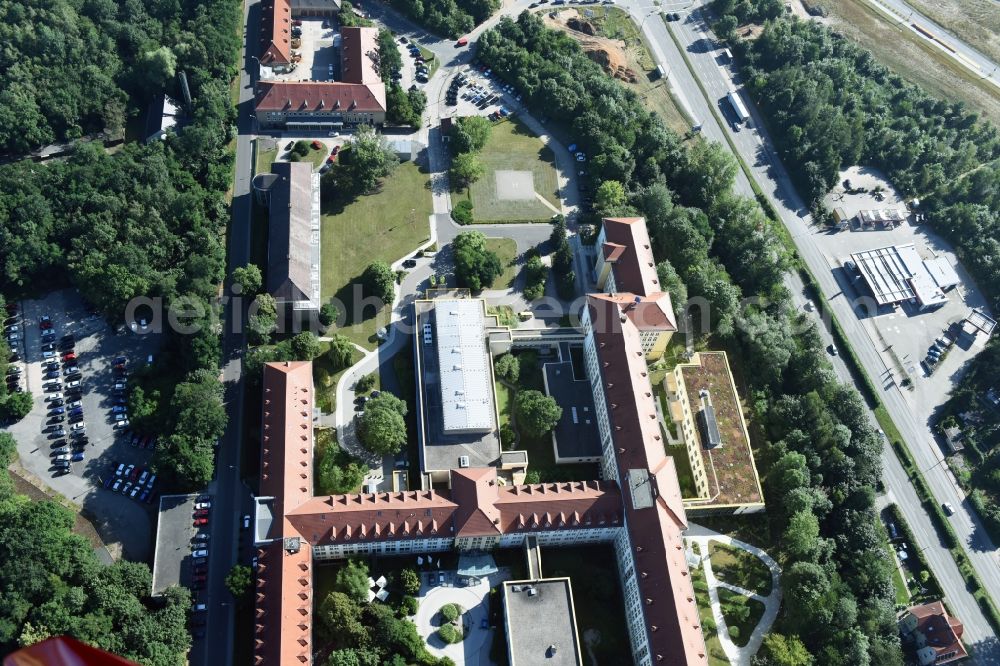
column 912, row 57
column 382, row 226
column 506, row 249
column 512, row 147
column 265, row 158
column 738, row 567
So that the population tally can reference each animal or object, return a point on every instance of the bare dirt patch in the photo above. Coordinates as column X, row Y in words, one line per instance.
column 608, row 53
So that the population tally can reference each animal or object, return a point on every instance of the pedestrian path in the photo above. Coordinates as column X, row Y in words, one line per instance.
column 738, row 656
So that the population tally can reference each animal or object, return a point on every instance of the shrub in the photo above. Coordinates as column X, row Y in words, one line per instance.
column 462, row 212
column 449, row 634
column 409, row 605
column 450, row 612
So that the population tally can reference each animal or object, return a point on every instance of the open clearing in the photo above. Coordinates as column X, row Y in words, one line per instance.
column 512, row 147
column 382, row 226
column 910, row 57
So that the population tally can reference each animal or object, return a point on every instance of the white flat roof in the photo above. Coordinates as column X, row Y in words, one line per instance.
column 464, row 364
column 943, row 272
column 897, row 273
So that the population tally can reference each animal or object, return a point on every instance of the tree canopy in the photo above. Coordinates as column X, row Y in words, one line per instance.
column 382, row 428
column 536, row 412
column 475, row 266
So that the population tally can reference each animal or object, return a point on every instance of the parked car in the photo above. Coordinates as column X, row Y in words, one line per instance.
column 201, row 513
column 78, row 456
column 135, row 491
column 58, row 410
column 246, row 521
column 199, row 522
column 116, row 486
column 78, row 426
column 203, row 505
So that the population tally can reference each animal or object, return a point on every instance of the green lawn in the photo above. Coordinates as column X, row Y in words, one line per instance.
column 506, row 250
column 326, row 378
column 738, row 567
column 430, row 60
column 382, row 226
column 265, row 158
column 716, row 655
column 512, row 147
column 741, row 614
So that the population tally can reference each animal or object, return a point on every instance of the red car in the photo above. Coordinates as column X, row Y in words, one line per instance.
column 201, row 513
column 336, row 149
column 135, row 473
column 199, row 522
column 69, row 356
column 316, row 145
column 200, row 578
column 45, row 325
column 331, row 159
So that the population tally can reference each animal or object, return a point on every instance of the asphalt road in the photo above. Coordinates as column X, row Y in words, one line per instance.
column 756, row 149
column 229, row 495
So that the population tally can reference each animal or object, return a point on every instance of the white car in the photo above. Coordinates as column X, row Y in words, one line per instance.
column 246, row 522
column 54, row 396
column 75, row 403
column 78, row 426
column 202, row 505
column 201, row 552
column 61, row 456
column 73, row 384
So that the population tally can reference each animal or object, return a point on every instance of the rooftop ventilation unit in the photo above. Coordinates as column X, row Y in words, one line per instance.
column 463, row 461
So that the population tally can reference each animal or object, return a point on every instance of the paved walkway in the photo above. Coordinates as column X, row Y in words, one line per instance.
column 474, row 599
column 738, row 656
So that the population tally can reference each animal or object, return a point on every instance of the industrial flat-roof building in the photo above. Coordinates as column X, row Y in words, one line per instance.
column 457, row 419
column 291, row 194
column 541, row 623
column 897, row 273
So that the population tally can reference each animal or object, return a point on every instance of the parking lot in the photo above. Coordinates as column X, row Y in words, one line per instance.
column 480, row 94
column 318, row 49
column 903, row 332
column 178, row 539
column 123, row 523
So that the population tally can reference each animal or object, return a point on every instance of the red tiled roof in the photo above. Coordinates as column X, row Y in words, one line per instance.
column 654, row 312
column 303, row 96
column 476, row 505
column 475, row 491
column 287, row 433
column 364, row 517
column 358, row 54
column 942, row 633
column 283, row 601
column 671, row 616
column 634, row 267
column 275, row 32
column 612, row 251
column 565, row 504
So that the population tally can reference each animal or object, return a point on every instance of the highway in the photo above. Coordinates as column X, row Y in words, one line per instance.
column 907, row 17
column 757, row 151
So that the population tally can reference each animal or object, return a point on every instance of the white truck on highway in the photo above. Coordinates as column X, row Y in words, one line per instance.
column 738, row 108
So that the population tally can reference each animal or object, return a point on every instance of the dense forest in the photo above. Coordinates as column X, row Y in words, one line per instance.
column 53, row 584
column 816, row 446
column 830, row 105
column 144, row 220
column 75, row 68
column 451, row 18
